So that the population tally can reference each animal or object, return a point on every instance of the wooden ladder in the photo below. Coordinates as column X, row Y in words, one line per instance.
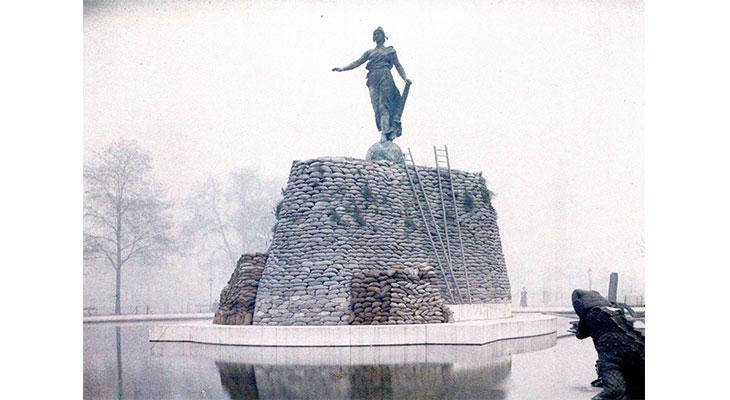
column 409, row 163
column 441, row 156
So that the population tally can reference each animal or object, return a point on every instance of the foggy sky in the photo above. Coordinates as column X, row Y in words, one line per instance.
column 544, row 97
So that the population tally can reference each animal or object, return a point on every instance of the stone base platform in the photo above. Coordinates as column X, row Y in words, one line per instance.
column 480, row 311
column 463, row 357
column 477, row 332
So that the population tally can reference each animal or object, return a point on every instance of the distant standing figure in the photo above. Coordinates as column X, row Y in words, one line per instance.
column 523, row 297
column 384, row 95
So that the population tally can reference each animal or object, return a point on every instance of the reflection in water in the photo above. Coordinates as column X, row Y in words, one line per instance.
column 370, row 380
column 518, row 369
column 399, row 381
column 239, row 380
column 119, row 362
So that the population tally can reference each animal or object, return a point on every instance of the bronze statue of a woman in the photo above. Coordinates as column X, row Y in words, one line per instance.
column 384, row 95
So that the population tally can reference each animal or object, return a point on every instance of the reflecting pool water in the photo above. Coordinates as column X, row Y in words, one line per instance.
column 120, row 363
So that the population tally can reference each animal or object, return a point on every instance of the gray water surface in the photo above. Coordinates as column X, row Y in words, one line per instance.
column 120, row 363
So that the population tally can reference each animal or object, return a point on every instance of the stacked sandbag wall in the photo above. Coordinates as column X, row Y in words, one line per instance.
column 340, row 216
column 238, row 298
column 397, row 295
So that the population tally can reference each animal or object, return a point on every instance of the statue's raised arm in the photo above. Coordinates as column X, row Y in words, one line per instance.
column 354, row 64
column 385, row 98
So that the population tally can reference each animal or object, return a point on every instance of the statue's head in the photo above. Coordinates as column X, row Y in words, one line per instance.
column 584, row 300
column 379, row 35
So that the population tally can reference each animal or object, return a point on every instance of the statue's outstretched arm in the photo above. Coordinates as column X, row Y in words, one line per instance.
column 400, row 69
column 353, row 64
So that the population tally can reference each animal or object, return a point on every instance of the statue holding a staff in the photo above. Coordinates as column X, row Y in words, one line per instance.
column 385, row 98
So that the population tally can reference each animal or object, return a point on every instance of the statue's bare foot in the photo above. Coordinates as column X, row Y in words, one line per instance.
column 383, row 137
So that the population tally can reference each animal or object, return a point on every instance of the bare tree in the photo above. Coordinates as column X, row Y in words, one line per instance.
column 125, row 214
column 235, row 217
column 253, row 201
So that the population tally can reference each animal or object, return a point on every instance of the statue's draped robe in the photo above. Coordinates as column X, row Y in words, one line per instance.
column 384, row 95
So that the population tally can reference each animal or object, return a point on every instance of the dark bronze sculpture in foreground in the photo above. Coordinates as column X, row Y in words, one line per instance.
column 620, row 347
column 385, row 98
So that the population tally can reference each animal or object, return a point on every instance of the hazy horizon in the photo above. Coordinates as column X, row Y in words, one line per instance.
column 546, row 98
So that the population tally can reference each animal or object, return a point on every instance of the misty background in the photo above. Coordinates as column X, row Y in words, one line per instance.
column 545, row 98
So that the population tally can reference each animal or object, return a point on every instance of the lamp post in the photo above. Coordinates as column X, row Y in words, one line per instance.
column 210, row 285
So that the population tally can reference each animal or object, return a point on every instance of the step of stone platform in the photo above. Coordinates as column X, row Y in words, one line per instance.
column 457, row 333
